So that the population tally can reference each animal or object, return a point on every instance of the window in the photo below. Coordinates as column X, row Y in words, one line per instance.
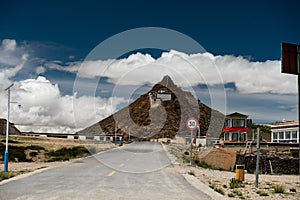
column 294, row 134
column 280, row 135
column 275, row 136
column 226, row 136
column 243, row 137
column 238, row 123
column 227, row 123
column 288, row 135
column 235, row 136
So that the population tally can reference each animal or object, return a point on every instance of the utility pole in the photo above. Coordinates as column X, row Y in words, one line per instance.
column 7, row 129
column 257, row 158
column 129, row 135
column 115, row 133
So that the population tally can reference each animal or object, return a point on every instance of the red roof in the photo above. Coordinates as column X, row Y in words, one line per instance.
column 235, row 129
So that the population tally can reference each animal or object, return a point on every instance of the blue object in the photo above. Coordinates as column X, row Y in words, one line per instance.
column 6, row 161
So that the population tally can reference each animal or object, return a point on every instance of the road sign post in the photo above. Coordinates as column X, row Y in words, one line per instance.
column 192, row 124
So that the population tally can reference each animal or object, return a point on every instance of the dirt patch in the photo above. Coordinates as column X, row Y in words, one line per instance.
column 220, row 181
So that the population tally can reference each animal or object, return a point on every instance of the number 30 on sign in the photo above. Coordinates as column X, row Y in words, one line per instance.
column 192, row 123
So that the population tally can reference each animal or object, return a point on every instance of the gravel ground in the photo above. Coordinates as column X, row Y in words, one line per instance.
column 220, row 180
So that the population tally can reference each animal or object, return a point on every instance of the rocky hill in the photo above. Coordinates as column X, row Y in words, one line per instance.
column 12, row 129
column 153, row 117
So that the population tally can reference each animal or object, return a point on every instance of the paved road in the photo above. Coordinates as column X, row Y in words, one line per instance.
column 137, row 171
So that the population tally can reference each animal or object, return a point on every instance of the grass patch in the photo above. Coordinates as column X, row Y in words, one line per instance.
column 202, row 164
column 216, row 188
column 279, row 189
column 231, row 195
column 238, row 193
column 10, row 141
column 212, row 185
column 220, row 190
column 65, row 154
column 35, row 147
column 33, row 154
column 234, row 184
column 192, row 173
column 16, row 154
column 262, row 193
column 6, row 175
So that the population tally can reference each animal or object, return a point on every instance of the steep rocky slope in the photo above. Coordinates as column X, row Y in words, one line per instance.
column 146, row 118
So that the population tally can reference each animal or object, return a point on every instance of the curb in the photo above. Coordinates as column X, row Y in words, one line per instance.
column 204, row 188
column 194, row 181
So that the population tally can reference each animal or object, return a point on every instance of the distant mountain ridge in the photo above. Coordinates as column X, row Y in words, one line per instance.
column 148, row 117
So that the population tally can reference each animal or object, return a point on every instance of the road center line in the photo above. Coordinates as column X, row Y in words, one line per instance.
column 111, row 173
column 128, row 159
column 121, row 165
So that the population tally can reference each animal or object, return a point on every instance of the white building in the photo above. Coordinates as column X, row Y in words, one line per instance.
column 285, row 131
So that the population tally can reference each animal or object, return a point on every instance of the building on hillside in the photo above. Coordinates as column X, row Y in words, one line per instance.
column 157, row 97
column 12, row 129
column 235, row 127
column 285, row 131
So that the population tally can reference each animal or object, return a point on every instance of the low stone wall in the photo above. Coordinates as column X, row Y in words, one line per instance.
column 270, row 163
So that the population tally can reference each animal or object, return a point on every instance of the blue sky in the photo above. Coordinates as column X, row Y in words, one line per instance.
column 52, row 38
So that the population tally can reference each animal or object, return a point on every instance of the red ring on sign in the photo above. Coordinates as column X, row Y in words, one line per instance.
column 192, row 119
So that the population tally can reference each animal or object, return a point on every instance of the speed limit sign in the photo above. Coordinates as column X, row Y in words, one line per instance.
column 192, row 123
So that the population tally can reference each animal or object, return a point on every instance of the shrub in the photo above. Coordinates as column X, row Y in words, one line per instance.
column 212, row 185
column 191, row 173
column 203, row 164
column 262, row 193
column 6, row 175
column 65, row 154
column 35, row 147
column 16, row 154
column 220, row 190
column 10, row 141
column 33, row 154
column 231, row 195
column 224, row 186
column 279, row 188
column 237, row 192
column 234, row 184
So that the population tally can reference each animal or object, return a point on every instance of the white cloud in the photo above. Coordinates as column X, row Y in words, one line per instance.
column 9, row 44
column 45, row 109
column 40, row 70
column 12, row 60
column 188, row 70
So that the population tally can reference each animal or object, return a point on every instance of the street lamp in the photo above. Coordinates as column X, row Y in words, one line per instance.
column 7, row 129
